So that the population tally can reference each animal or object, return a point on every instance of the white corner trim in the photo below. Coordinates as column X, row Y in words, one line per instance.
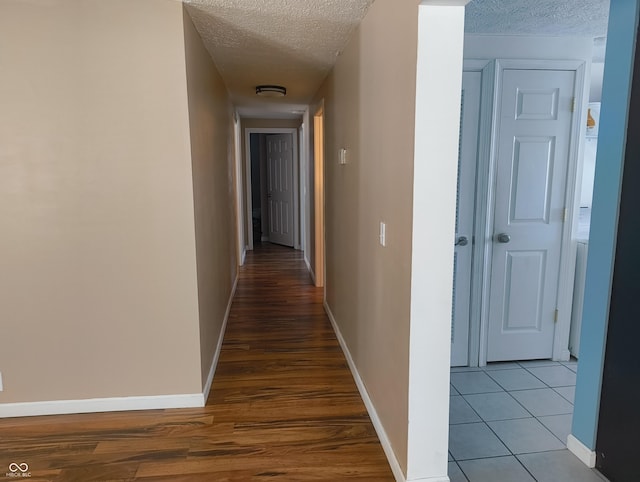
column 216, row 355
column 90, row 405
column 377, row 424
column 313, row 275
column 580, row 450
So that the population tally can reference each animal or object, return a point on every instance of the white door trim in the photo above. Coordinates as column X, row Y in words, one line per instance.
column 481, row 249
column 237, row 141
column 568, row 248
column 302, row 188
column 296, row 188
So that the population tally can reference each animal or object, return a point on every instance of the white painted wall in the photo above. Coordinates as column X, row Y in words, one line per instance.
column 438, row 89
column 597, row 75
column 523, row 47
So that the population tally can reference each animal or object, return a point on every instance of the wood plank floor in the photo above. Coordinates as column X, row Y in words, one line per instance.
column 283, row 405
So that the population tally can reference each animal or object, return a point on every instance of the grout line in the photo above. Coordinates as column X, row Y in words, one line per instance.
column 525, row 467
column 471, row 407
column 501, row 441
column 461, row 471
column 518, row 402
column 572, row 403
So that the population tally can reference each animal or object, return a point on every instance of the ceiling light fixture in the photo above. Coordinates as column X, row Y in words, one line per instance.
column 271, row 91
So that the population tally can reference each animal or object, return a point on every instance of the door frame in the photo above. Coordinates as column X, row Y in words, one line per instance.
column 296, row 188
column 320, row 267
column 485, row 211
column 479, row 246
column 240, row 223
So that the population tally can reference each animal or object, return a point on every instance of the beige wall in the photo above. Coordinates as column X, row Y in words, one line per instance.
column 369, row 110
column 98, row 289
column 211, row 124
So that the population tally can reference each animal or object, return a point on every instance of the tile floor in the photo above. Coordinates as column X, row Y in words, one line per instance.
column 509, row 422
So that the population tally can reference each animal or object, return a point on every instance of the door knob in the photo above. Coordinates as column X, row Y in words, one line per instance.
column 504, row 238
column 462, row 241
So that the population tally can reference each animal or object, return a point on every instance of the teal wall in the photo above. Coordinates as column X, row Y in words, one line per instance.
column 621, row 40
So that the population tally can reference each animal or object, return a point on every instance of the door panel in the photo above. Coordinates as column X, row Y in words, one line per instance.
column 531, row 179
column 534, row 130
column 467, row 162
column 280, row 188
column 524, row 280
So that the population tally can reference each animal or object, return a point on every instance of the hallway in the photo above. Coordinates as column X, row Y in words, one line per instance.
column 283, row 404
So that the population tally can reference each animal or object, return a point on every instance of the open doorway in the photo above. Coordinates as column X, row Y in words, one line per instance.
column 522, row 144
column 503, row 408
column 272, row 186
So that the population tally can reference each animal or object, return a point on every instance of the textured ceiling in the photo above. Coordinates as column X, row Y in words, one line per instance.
column 292, row 43
column 583, row 18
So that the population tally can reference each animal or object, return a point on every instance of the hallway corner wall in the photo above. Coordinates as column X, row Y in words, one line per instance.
column 98, row 290
column 212, row 159
column 621, row 45
column 369, row 109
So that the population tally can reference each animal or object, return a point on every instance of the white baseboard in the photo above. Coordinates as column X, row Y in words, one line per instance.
column 90, row 405
column 565, row 355
column 244, row 257
column 580, row 450
column 377, row 424
column 216, row 355
column 313, row 275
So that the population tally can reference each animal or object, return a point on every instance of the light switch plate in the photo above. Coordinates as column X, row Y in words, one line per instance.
column 342, row 157
column 383, row 234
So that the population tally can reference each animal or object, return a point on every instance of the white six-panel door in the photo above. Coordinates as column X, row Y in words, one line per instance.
column 280, row 188
column 467, row 164
column 534, row 130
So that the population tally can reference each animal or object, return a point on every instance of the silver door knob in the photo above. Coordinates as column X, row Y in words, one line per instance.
column 462, row 241
column 504, row 238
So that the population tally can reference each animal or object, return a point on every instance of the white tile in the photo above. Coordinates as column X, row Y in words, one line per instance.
column 501, row 366
column 558, row 376
column 452, row 390
column 558, row 466
column 537, row 363
column 496, row 406
column 519, row 379
column 487, row 470
column 560, row 425
column 474, row 441
column 455, row 474
column 460, row 411
column 568, row 393
column 543, row 401
column 525, row 435
column 474, row 382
